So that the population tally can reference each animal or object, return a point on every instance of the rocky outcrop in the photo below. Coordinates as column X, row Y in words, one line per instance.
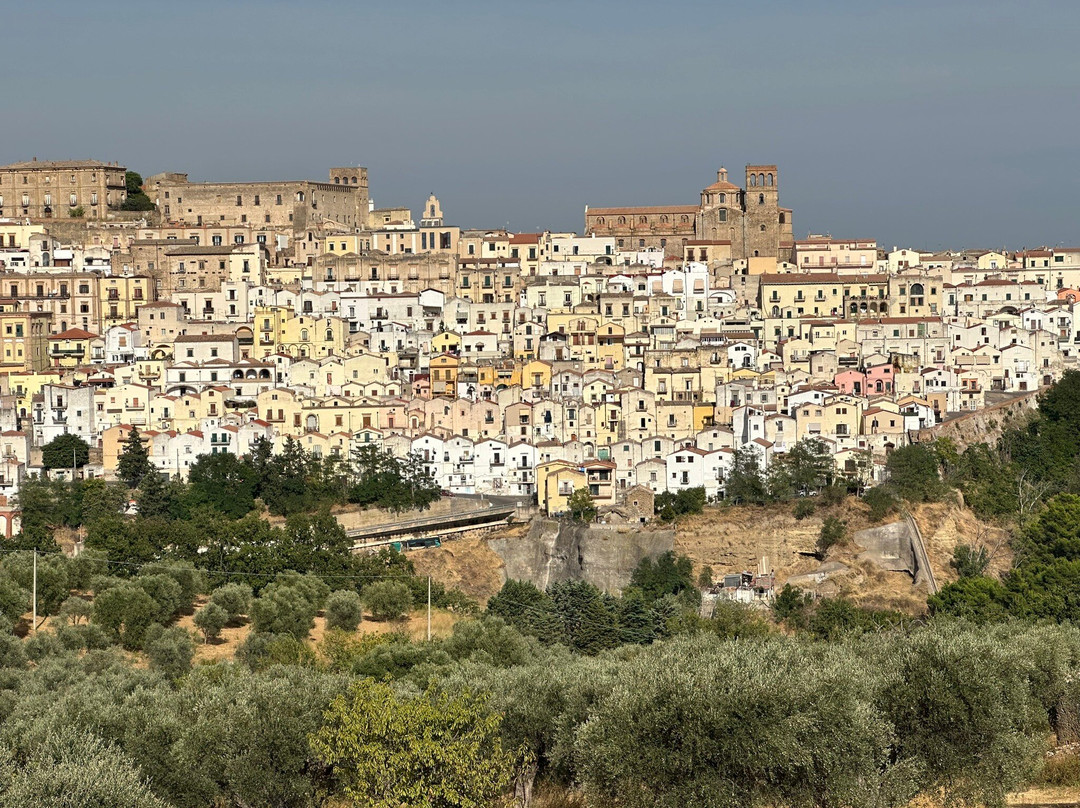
column 559, row 550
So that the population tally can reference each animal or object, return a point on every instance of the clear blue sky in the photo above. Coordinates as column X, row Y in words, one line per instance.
column 925, row 124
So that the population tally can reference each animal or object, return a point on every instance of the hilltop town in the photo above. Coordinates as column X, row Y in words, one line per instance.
column 644, row 355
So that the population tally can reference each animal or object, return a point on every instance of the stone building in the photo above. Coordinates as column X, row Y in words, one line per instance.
column 51, row 189
column 294, row 205
column 748, row 219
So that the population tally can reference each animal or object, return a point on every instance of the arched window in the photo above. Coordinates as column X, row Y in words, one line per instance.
column 684, row 219
column 354, row 180
column 600, row 220
column 304, row 335
column 761, row 199
column 299, row 196
column 723, row 215
column 761, row 179
column 916, row 289
column 337, row 180
column 329, row 335
column 642, row 220
column 763, row 228
column 769, row 179
column 664, row 219
column 783, row 218
column 723, row 198
column 622, row 220
column 753, row 180
column 73, row 200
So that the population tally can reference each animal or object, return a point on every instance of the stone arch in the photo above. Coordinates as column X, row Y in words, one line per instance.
column 769, row 179
column 600, row 220
column 684, row 219
column 311, row 423
column 622, row 220
column 643, row 220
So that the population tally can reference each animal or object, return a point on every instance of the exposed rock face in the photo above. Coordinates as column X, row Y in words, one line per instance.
column 556, row 550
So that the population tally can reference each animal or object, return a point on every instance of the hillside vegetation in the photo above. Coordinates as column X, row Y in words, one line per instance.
column 194, row 656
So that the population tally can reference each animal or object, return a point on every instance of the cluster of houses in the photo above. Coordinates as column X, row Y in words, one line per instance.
column 521, row 364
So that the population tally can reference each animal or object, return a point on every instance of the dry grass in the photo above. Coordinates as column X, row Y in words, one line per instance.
column 945, row 525
column 415, row 627
column 735, row 539
column 732, row 539
column 468, row 564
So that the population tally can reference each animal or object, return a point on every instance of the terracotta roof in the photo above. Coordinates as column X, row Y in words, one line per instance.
column 74, row 333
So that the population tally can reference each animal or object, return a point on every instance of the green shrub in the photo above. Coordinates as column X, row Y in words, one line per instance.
column 881, row 502
column 832, row 533
column 804, row 507
column 170, row 650
column 387, row 600
column 1062, row 769
column 210, row 620
column 235, row 599
column 343, row 610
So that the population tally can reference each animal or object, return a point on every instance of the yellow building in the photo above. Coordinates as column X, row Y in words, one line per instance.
column 446, row 342
column 24, row 338
column 120, row 297
column 70, row 348
column 556, row 482
column 24, row 385
column 536, row 374
column 278, row 330
column 444, row 371
column 16, row 233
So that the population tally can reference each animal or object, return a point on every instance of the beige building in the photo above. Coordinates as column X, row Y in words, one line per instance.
column 291, row 205
column 52, row 189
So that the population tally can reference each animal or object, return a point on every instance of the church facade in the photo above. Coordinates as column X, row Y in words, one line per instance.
column 730, row 223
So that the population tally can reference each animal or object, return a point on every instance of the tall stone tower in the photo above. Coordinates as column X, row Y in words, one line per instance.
column 762, row 211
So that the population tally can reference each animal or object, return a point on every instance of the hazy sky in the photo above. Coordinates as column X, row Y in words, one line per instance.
column 925, row 124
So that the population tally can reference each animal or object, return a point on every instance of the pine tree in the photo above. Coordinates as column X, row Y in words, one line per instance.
column 154, row 497
column 134, row 461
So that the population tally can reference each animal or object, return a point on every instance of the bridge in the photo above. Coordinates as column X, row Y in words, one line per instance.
column 431, row 526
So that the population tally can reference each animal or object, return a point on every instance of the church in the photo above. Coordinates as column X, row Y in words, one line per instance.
column 729, row 224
